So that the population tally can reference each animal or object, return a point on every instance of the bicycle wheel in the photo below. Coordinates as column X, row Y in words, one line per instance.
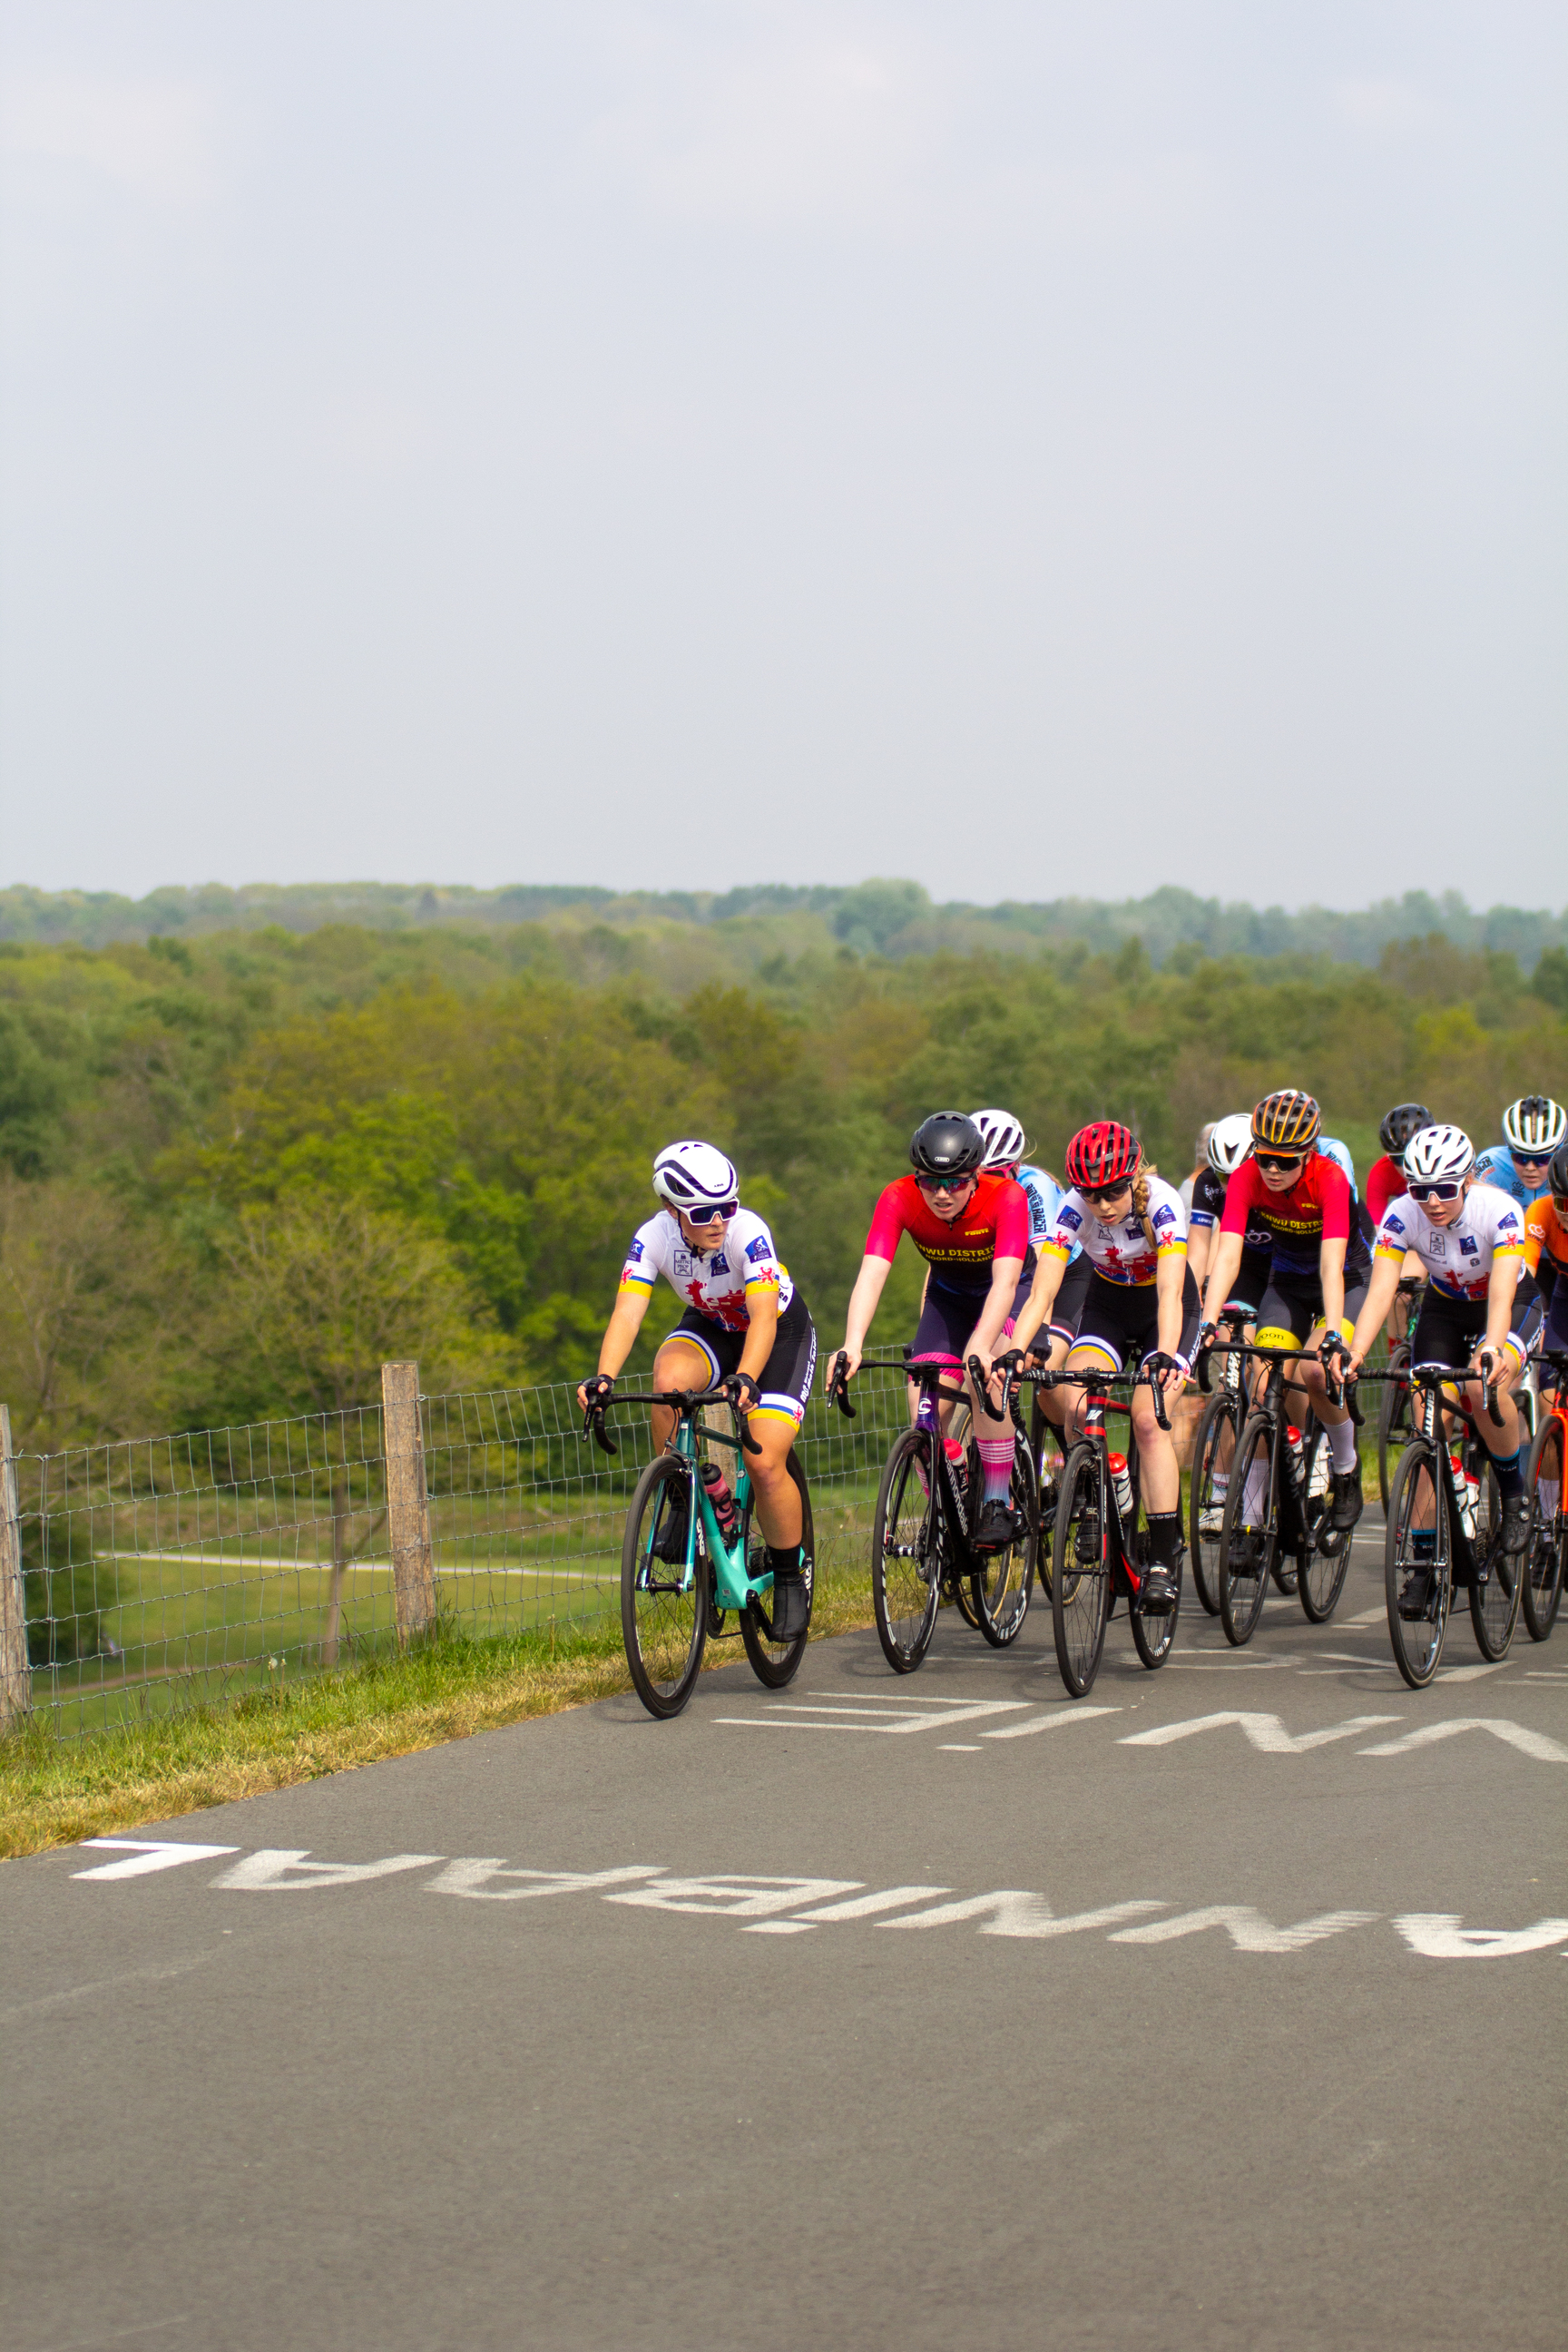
column 1494, row 1602
column 1080, row 1572
column 1214, row 1449
column 1546, row 1548
column 1394, row 1426
column 1251, row 1533
column 906, row 1557
column 1323, row 1563
column 1417, row 1564
column 1002, row 1594
column 1151, row 1635
column 964, row 1587
column 778, row 1662
column 664, row 1622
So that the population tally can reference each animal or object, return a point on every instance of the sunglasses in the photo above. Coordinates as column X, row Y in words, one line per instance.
column 725, row 1209
column 1528, row 1159
column 1280, row 1161
column 949, row 1184
column 1103, row 1194
column 1435, row 1192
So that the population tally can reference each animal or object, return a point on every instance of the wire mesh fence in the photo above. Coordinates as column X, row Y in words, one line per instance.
column 167, row 1573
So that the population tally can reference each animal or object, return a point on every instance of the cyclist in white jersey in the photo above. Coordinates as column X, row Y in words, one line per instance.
column 745, row 1328
column 1004, row 1146
column 1471, row 1238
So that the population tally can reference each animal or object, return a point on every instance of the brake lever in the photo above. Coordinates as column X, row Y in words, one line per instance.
column 594, row 1426
column 1203, row 1368
column 1494, row 1411
column 1157, row 1391
column 839, row 1391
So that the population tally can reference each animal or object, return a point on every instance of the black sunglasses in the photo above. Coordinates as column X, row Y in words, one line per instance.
column 945, row 1183
column 1435, row 1192
column 725, row 1209
column 1102, row 1192
column 1280, row 1161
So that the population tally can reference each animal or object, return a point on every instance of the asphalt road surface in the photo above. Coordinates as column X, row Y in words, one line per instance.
column 1223, row 2008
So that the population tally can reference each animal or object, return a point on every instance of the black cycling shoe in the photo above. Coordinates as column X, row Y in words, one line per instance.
column 671, row 1542
column 1349, row 1501
column 1515, row 1525
column 1160, row 1591
column 1416, row 1595
column 998, row 1528
column 791, row 1610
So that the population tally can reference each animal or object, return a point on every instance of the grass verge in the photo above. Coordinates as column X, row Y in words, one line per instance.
column 55, row 1791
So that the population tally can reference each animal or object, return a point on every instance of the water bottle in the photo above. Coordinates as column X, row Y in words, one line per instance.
column 1295, row 1458
column 1473, row 1510
column 722, row 1500
column 955, row 1452
column 1466, row 1492
column 1120, row 1485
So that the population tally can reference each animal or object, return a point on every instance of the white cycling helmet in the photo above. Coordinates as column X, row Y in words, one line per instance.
column 695, row 1177
column 1004, row 1144
column 1534, row 1126
column 1230, row 1140
column 1437, row 1152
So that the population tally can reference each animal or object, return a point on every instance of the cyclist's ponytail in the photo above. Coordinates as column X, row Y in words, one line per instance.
column 1146, row 1169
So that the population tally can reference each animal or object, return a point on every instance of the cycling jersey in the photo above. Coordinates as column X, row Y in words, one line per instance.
column 1044, row 1197
column 994, row 1223
column 1384, row 1182
column 1459, row 1258
column 716, row 1283
column 1318, row 1208
column 1545, row 1236
column 1120, row 1251
column 1208, row 1207
column 1496, row 1167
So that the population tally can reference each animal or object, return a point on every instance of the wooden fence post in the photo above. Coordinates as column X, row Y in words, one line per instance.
column 408, row 1505
column 16, row 1682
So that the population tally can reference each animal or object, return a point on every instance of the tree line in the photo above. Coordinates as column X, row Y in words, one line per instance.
column 237, row 1171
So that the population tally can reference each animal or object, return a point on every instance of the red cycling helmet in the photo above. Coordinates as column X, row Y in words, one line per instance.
column 1103, row 1155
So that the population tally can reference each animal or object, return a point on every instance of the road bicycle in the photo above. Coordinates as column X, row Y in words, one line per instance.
column 1279, row 1500
column 1394, row 1413
column 1214, row 1450
column 671, row 1609
column 1099, row 1554
column 1444, row 1531
column 921, row 1540
column 1546, row 1554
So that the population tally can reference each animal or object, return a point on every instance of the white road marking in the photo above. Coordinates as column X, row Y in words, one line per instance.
column 1267, row 1732
column 1514, row 1734
column 1468, row 1673
column 1439, row 1935
column 284, row 1870
column 796, row 1714
column 477, row 1876
column 1013, row 1911
column 106, row 1984
column 733, row 1895
column 1075, row 1714
column 960, row 1748
column 865, row 1906
column 1248, row 1928
column 147, row 1854
column 1378, row 1616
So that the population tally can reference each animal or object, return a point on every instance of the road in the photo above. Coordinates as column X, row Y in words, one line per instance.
column 1224, row 2009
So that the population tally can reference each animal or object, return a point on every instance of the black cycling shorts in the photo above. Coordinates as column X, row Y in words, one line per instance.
column 784, row 1379
column 1067, row 1308
column 1555, row 1339
column 1251, row 1282
column 1294, row 1304
column 949, row 1316
column 1449, row 1330
column 1122, row 1319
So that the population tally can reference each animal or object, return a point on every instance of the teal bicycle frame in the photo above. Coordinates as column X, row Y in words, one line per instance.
column 733, row 1586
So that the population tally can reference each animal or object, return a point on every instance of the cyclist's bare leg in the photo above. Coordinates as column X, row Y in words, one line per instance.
column 677, row 1365
column 1160, row 1477
column 777, row 1504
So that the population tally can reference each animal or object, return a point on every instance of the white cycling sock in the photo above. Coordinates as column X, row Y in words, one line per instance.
column 1342, row 1444
column 1254, row 1497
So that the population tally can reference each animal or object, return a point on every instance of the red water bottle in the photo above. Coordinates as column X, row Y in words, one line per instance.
column 1120, row 1485
column 722, row 1500
column 1295, row 1457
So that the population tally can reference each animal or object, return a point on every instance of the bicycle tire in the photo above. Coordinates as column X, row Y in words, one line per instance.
column 1002, row 1598
column 664, row 1628
column 1392, row 1418
column 1249, row 1539
column 1417, row 1642
column 1494, row 1604
column 1546, row 1546
column 1080, row 1584
column 906, row 1581
column 1324, row 1564
column 778, row 1662
column 1221, row 1412
column 1153, row 1637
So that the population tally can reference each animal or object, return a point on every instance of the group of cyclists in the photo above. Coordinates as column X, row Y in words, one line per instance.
column 1112, row 1272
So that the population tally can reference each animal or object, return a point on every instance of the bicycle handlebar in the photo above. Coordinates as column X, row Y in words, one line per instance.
column 1437, row 1376
column 1100, row 1384
column 683, row 1400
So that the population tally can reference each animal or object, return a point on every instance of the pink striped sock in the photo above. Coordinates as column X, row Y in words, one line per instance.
column 997, row 1460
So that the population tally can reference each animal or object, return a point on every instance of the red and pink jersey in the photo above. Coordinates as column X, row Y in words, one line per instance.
column 1384, row 1182
column 994, row 1223
column 1316, row 1209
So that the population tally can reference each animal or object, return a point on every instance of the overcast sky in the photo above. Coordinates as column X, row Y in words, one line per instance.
column 1031, row 447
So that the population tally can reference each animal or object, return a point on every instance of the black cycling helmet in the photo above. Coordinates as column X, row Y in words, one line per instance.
column 1557, row 1171
column 947, row 1144
column 1400, row 1124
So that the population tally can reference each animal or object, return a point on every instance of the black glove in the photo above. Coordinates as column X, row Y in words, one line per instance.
column 1332, row 1344
column 1010, row 1361
column 742, row 1392
column 1159, row 1362
column 599, row 1388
